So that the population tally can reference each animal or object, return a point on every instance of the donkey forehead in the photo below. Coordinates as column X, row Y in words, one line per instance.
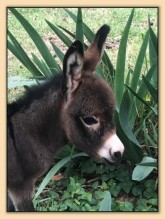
column 93, row 96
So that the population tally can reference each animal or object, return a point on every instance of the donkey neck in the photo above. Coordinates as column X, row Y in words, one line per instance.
column 39, row 111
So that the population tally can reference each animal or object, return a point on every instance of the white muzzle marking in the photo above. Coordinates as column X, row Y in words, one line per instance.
column 110, row 146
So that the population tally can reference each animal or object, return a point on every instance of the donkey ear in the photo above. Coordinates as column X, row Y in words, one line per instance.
column 95, row 51
column 72, row 67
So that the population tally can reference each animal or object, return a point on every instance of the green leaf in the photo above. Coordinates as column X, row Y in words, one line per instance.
column 58, row 52
column 121, row 60
column 37, row 40
column 108, row 64
column 60, row 34
column 153, row 44
column 106, row 202
column 87, row 31
column 54, row 170
column 67, row 31
column 128, row 78
column 90, row 36
column 79, row 27
column 144, row 102
column 139, row 63
column 42, row 66
column 141, row 172
column 142, row 91
column 18, row 51
column 133, row 153
column 124, row 117
column 149, row 76
column 149, row 164
column 151, row 89
column 88, row 166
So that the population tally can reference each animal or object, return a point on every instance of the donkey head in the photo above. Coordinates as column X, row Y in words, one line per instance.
column 88, row 108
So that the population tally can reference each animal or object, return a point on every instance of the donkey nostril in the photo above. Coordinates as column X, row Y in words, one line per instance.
column 117, row 155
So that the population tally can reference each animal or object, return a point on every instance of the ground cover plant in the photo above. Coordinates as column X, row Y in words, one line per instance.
column 76, row 182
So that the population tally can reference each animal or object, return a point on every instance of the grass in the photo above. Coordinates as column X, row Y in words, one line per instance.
column 82, row 186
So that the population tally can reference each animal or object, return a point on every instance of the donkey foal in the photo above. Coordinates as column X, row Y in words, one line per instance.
column 75, row 106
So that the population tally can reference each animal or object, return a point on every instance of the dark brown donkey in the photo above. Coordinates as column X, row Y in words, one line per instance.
column 75, row 106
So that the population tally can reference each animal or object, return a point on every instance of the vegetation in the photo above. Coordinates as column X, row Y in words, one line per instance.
column 132, row 185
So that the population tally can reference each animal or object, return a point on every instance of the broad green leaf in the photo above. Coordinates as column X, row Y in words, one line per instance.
column 54, row 170
column 106, row 202
column 67, row 31
column 100, row 71
column 133, row 153
column 144, row 102
column 18, row 51
column 139, row 63
column 141, row 172
column 58, row 52
column 79, row 27
column 42, row 66
column 153, row 44
column 60, row 34
column 124, row 117
column 148, row 138
column 149, row 75
column 136, row 74
column 128, row 78
column 151, row 89
column 90, row 36
column 148, row 164
column 142, row 91
column 121, row 60
column 108, row 63
column 43, row 49
column 87, row 31
column 15, row 52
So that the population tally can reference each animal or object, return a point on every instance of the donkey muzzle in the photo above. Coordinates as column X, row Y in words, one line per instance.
column 112, row 149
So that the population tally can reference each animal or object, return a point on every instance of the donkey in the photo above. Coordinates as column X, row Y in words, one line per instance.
column 75, row 106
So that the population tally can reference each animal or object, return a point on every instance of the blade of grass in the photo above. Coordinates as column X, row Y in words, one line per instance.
column 120, row 66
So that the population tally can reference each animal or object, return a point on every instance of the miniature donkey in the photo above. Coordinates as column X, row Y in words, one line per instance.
column 75, row 106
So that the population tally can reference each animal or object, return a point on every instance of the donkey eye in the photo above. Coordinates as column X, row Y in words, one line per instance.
column 89, row 120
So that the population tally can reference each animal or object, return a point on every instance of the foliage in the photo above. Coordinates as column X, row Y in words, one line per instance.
column 136, row 114
column 107, row 188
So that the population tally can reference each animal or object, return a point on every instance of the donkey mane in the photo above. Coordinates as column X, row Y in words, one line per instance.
column 33, row 93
